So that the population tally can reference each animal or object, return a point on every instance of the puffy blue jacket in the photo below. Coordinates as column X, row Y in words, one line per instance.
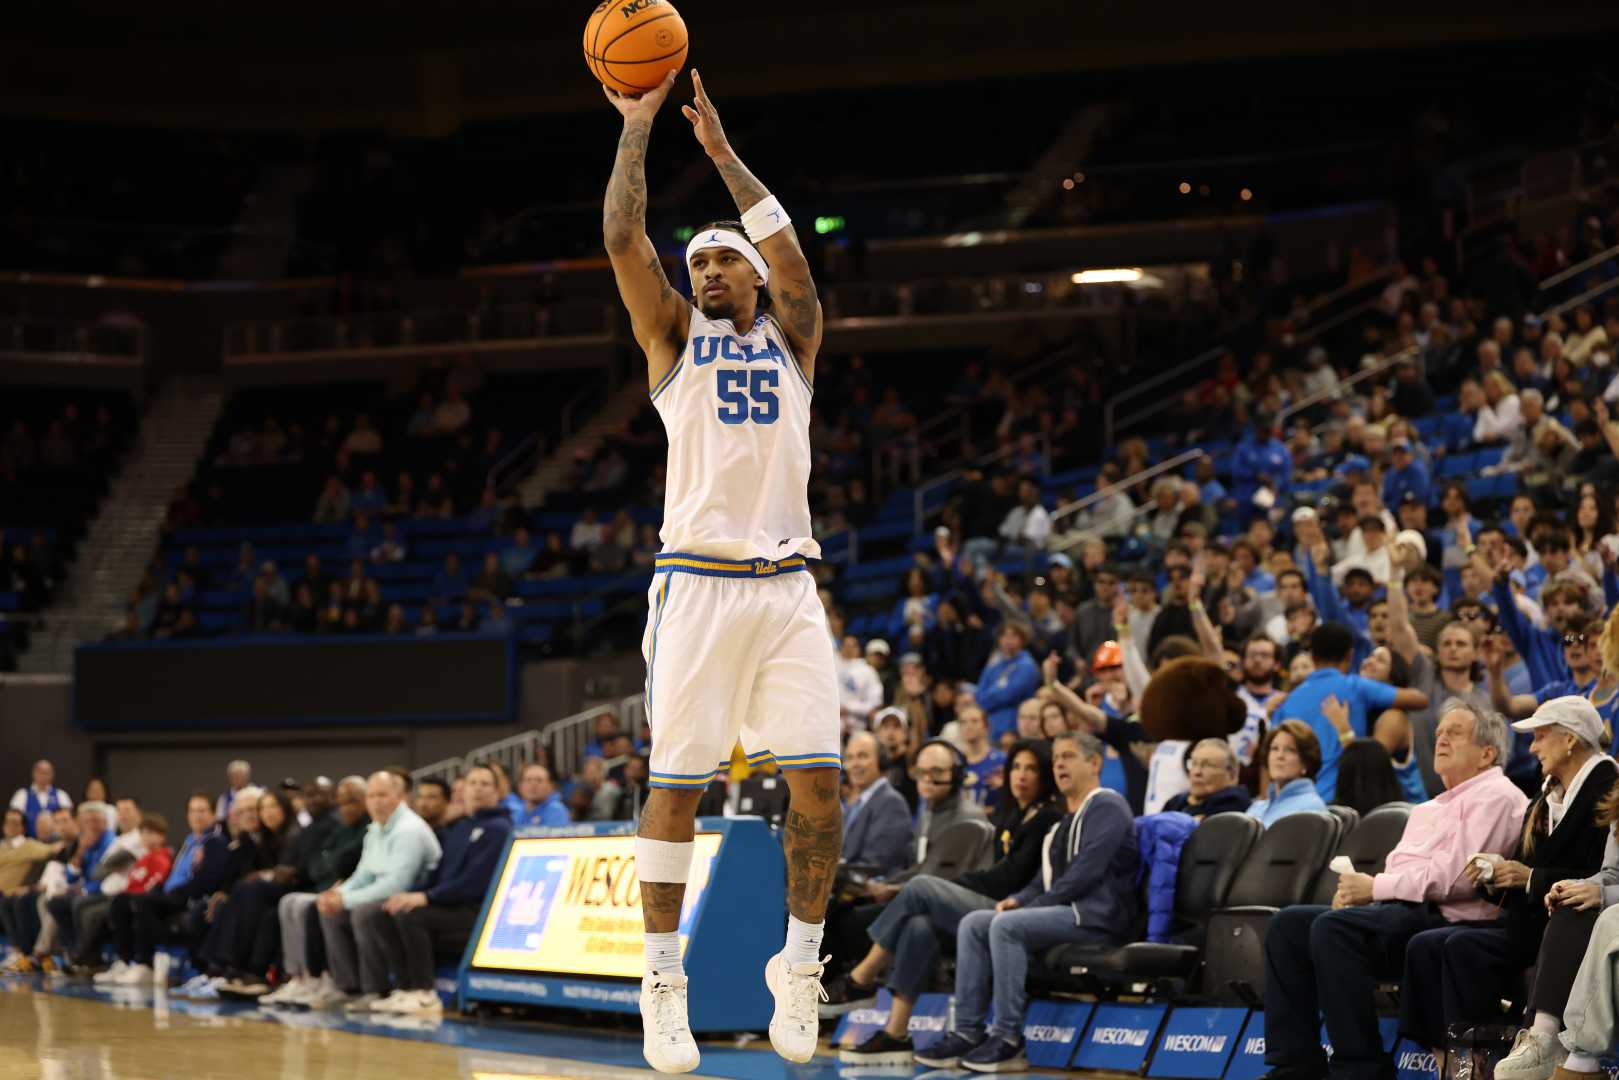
column 1160, row 837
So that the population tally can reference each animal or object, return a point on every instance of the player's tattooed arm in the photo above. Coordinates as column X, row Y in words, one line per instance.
column 791, row 285
column 658, row 315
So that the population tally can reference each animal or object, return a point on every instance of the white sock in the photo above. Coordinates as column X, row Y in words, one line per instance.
column 803, row 942
column 1547, row 1024
column 663, row 954
column 1580, row 1062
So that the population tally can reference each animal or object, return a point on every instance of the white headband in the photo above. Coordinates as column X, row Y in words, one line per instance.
column 716, row 238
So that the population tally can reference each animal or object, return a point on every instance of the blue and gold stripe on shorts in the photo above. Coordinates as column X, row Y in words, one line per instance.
column 678, row 562
column 793, row 761
column 682, row 781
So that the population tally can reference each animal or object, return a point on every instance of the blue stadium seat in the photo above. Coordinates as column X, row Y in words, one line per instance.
column 880, row 568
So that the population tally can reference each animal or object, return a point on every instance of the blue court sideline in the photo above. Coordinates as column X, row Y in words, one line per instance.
column 614, row 1050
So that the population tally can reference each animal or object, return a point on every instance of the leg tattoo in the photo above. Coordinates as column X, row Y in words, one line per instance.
column 814, row 842
column 667, row 815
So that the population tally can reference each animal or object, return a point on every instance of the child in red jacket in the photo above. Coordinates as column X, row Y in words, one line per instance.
column 149, row 873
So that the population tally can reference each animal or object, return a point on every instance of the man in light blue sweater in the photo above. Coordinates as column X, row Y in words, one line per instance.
column 400, row 852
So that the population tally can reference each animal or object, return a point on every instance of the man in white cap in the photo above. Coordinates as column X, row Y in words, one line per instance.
column 1568, row 740
column 878, row 654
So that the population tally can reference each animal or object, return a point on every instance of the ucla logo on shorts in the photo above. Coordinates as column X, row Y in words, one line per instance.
column 761, row 566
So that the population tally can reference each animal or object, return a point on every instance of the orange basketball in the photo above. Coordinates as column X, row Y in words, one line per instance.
column 630, row 45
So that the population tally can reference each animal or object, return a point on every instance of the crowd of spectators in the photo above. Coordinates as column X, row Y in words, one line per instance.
column 330, row 894
column 1418, row 558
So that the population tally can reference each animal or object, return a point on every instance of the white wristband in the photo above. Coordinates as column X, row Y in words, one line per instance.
column 765, row 219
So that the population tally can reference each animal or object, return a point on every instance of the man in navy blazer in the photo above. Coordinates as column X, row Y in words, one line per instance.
column 876, row 822
column 1084, row 892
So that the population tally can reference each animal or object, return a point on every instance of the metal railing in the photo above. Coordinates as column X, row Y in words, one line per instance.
column 1125, row 484
column 919, row 498
column 1578, row 268
column 447, row 327
column 1112, row 424
column 66, row 337
column 1127, row 520
column 1583, row 298
column 1312, row 400
column 564, row 741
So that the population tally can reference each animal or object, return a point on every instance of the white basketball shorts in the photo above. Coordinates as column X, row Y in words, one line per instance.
column 737, row 650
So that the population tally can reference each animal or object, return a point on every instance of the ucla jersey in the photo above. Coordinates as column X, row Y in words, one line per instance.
column 736, row 408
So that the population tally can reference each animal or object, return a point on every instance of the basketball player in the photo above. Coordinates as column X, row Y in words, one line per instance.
column 736, row 641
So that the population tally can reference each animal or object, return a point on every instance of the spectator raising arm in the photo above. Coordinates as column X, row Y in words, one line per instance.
column 1208, row 635
column 1402, row 635
column 1093, row 718
column 1512, row 706
column 1541, row 649
column 1136, row 675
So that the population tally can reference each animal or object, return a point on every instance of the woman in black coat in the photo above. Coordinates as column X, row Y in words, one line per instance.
column 1459, row 974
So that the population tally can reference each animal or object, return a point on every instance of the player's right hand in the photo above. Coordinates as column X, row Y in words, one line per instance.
column 641, row 106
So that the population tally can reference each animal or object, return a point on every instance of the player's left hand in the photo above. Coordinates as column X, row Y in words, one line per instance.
column 705, row 119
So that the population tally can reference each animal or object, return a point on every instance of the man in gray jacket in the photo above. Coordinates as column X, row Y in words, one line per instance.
column 1084, row 892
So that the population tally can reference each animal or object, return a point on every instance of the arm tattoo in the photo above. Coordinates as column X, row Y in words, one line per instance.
column 654, row 266
column 798, row 305
column 745, row 189
column 624, row 212
column 813, row 846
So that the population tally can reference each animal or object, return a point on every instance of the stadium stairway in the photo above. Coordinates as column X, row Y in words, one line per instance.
column 555, row 472
column 124, row 532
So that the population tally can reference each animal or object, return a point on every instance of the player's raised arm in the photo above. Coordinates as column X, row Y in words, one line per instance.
column 659, row 316
column 791, row 286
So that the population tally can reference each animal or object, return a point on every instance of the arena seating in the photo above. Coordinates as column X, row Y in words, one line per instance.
column 58, row 451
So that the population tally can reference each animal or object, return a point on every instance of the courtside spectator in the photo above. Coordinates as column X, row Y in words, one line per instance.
column 142, row 922
column 1211, row 776
column 906, row 937
column 147, row 875
column 329, row 857
column 415, row 931
column 538, row 802
column 83, row 884
column 19, row 853
column 1458, row 975
column 20, row 912
column 1292, row 757
column 1085, row 891
column 1325, row 961
column 41, row 795
column 943, row 802
column 399, row 852
column 431, row 801
column 877, row 831
column 238, row 775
